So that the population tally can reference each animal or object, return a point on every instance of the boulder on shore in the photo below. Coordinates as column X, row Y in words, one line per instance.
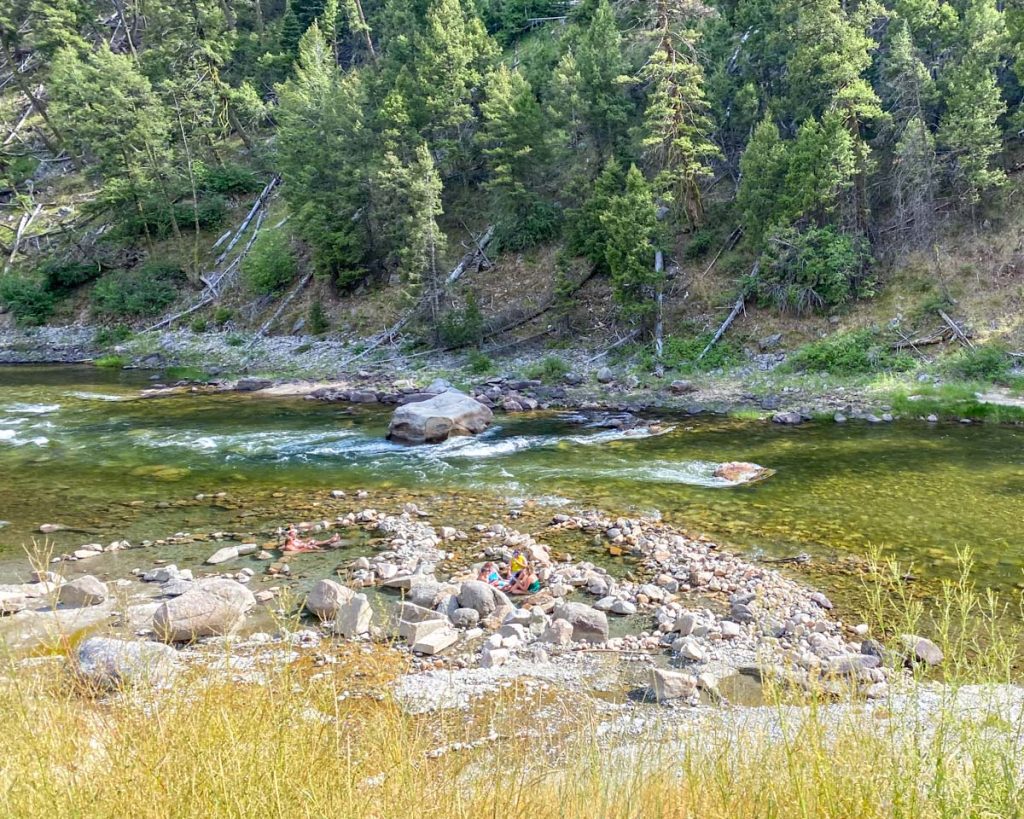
column 84, row 591
column 110, row 663
column 435, row 420
column 742, row 472
column 216, row 608
column 327, row 597
column 588, row 624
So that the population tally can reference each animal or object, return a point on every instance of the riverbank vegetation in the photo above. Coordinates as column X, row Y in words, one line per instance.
column 484, row 173
column 302, row 738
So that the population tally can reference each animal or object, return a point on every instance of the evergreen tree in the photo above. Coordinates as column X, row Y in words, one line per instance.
column 762, row 177
column 969, row 129
column 322, row 157
column 110, row 114
column 677, row 128
column 599, row 67
column 587, row 235
column 630, row 224
column 914, row 182
column 514, row 139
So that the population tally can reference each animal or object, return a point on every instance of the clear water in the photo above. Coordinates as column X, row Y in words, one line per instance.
column 78, row 447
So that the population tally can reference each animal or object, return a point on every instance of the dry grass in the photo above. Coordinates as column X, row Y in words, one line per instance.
column 307, row 741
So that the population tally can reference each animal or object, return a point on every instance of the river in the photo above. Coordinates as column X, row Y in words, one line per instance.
column 78, row 447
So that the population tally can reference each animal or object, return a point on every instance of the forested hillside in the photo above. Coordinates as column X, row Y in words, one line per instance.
column 185, row 160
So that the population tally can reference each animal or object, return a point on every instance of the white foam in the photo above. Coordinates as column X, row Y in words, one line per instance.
column 32, row 409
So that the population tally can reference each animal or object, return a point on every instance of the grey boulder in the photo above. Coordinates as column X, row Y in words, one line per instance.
column 435, row 420
column 479, row 596
column 214, row 608
column 83, row 591
column 588, row 624
column 110, row 663
column 326, row 598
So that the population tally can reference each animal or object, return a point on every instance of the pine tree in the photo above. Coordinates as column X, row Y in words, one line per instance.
column 587, row 235
column 969, row 129
column 677, row 128
column 323, row 158
column 599, row 67
column 763, row 169
column 110, row 113
column 630, row 224
column 515, row 143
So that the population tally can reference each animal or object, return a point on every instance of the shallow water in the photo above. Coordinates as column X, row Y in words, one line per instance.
column 77, row 447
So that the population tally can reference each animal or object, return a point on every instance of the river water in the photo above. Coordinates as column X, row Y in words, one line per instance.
column 78, row 447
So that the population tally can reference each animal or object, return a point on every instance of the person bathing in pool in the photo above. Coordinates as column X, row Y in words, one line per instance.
column 293, row 542
column 525, row 582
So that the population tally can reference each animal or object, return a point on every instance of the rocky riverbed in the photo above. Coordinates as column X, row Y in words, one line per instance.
column 687, row 616
column 336, row 370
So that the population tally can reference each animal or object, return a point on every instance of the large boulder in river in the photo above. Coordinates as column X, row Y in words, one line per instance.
column 433, row 421
column 110, row 663
column 742, row 472
column 216, row 608
column 588, row 624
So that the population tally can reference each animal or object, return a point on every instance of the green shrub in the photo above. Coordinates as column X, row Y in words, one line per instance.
column 527, row 226
column 63, row 276
column 460, row 328
column 479, row 363
column 549, row 370
column 199, row 325
column 317, row 320
column 28, row 300
column 989, row 362
column 854, row 353
column 222, row 315
column 700, row 243
column 229, row 179
column 814, row 270
column 155, row 218
column 235, row 340
column 141, row 291
column 112, row 362
column 117, row 334
column 270, row 266
column 680, row 354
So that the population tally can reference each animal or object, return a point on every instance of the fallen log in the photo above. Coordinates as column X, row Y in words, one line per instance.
column 472, row 256
column 960, row 334
column 280, row 309
column 737, row 308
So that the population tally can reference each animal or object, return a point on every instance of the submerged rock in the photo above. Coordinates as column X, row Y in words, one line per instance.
column 435, row 420
column 742, row 472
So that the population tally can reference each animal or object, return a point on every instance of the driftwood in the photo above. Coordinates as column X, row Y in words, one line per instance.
column 957, row 332
column 261, row 200
column 23, row 225
column 617, row 344
column 281, row 308
column 472, row 256
column 214, row 280
column 737, row 308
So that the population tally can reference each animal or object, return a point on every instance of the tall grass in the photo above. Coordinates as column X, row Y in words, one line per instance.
column 305, row 740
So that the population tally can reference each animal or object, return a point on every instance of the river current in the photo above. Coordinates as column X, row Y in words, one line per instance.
column 80, row 448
